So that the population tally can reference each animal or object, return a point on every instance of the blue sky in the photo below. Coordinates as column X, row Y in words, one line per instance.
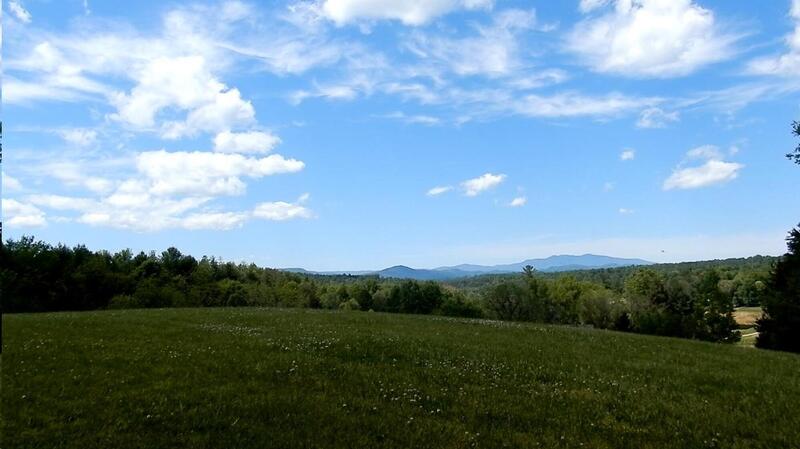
column 358, row 134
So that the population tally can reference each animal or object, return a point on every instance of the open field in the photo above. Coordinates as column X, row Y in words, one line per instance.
column 264, row 378
column 746, row 316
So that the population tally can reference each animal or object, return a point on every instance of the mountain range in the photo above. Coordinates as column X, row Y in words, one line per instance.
column 548, row 264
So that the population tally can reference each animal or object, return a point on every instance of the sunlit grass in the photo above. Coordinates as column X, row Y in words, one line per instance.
column 260, row 378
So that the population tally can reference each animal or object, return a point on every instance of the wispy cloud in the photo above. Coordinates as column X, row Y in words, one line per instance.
column 475, row 186
column 439, row 190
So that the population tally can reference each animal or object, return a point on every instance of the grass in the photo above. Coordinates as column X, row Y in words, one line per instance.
column 746, row 316
column 272, row 378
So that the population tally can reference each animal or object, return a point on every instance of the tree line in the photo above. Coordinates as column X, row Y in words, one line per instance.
column 38, row 277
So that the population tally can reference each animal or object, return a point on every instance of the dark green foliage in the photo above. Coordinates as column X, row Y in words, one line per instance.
column 795, row 155
column 415, row 297
column 779, row 328
column 458, row 305
column 282, row 378
column 680, row 308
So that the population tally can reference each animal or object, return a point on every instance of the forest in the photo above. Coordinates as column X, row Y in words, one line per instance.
column 689, row 300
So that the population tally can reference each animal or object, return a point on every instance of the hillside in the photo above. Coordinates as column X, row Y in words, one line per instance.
column 279, row 378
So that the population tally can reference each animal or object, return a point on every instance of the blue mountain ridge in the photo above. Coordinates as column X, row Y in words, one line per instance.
column 548, row 264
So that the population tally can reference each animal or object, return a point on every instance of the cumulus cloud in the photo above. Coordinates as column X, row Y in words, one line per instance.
column 281, row 211
column 22, row 215
column 245, row 142
column 650, row 38
column 714, row 171
column 72, row 174
column 628, row 155
column 438, row 190
column 214, row 220
column 61, row 202
column 409, row 12
column 656, row 118
column 204, row 173
column 185, row 84
column 518, row 201
column 475, row 186
column 19, row 11
column 787, row 64
column 624, row 211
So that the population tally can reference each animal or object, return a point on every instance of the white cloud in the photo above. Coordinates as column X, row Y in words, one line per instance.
column 473, row 187
column 624, row 211
column 21, row 215
column 518, row 201
column 704, row 152
column 245, row 142
column 203, row 173
column 281, row 211
column 213, row 220
column 575, row 105
column 72, row 175
column 710, row 173
column 590, row 5
column 418, row 119
column 410, row 12
column 650, row 38
column 787, row 64
column 19, row 11
column 608, row 186
column 535, row 80
column 493, row 52
column 627, row 155
column 79, row 137
column 60, row 202
column 10, row 183
column 714, row 171
column 438, row 190
column 656, row 118
column 185, row 84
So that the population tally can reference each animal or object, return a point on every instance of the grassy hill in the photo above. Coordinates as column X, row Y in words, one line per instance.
column 278, row 378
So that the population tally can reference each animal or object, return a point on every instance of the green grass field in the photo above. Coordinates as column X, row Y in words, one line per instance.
column 276, row 378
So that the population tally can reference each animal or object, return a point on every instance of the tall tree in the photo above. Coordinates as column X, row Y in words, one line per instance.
column 779, row 328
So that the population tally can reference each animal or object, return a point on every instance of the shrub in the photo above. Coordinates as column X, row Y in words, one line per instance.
column 124, row 302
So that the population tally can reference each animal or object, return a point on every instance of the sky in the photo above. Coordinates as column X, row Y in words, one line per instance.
column 360, row 134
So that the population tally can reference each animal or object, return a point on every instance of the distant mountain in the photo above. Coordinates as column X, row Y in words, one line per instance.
column 549, row 264
column 404, row 272
column 552, row 264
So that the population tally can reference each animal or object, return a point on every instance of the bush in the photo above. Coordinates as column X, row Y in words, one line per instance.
column 350, row 304
column 599, row 309
column 124, row 302
column 456, row 304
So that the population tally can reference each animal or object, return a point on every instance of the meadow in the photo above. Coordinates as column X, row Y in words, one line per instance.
column 282, row 378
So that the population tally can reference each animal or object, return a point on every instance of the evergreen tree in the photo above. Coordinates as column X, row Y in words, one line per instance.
column 779, row 328
column 795, row 155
